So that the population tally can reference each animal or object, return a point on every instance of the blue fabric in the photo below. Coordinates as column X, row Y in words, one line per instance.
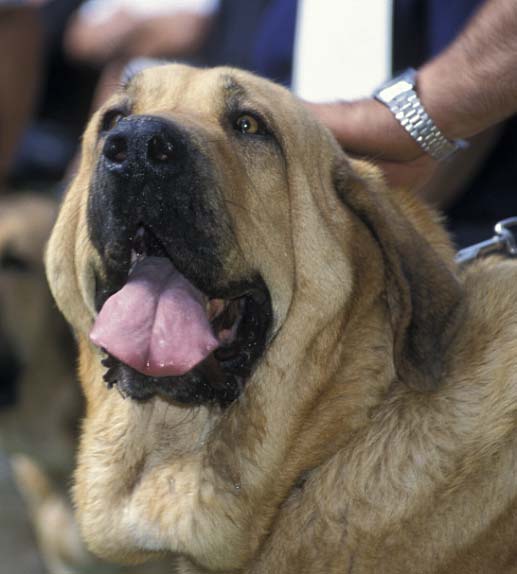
column 257, row 35
column 272, row 53
column 445, row 19
column 423, row 28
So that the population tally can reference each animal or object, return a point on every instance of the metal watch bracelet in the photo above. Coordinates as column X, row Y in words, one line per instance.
column 400, row 97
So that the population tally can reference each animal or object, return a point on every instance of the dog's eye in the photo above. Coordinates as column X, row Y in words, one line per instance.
column 111, row 119
column 249, row 125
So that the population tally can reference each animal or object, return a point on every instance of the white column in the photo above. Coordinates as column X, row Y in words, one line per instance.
column 342, row 48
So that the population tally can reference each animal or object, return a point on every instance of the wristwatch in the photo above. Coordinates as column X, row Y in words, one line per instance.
column 399, row 95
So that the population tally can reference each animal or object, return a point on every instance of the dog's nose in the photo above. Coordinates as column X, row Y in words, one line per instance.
column 144, row 142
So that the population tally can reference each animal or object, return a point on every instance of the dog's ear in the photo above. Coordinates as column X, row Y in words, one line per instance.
column 424, row 296
column 67, row 244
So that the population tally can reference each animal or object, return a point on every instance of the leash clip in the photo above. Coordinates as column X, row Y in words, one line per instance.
column 504, row 242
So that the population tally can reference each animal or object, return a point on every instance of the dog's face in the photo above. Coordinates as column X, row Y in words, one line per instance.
column 195, row 175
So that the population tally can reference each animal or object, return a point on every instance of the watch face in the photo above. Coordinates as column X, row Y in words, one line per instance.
column 389, row 93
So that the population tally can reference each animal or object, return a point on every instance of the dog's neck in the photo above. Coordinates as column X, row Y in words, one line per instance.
column 401, row 456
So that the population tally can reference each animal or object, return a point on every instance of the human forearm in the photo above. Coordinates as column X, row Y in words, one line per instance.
column 473, row 84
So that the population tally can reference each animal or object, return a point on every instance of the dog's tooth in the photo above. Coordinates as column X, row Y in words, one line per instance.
column 214, row 308
column 225, row 336
column 135, row 258
column 139, row 247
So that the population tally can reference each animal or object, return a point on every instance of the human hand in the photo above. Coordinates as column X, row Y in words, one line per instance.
column 168, row 35
column 125, row 36
column 95, row 42
column 367, row 128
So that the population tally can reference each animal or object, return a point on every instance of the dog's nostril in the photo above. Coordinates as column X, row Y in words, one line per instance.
column 160, row 150
column 115, row 149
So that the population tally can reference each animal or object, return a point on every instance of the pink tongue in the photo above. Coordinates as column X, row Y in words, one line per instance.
column 156, row 323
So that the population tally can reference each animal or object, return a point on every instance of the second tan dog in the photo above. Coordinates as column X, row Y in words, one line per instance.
column 307, row 383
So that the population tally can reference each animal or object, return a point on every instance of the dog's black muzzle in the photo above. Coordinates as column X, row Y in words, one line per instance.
column 153, row 173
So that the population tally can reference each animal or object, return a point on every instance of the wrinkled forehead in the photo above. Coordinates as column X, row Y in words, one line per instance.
column 178, row 88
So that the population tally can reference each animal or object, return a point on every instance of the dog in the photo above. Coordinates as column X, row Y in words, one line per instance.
column 285, row 369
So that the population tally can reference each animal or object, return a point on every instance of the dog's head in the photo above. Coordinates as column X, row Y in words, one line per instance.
column 208, row 209
column 217, row 247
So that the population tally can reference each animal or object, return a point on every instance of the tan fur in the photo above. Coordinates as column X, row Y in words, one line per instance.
column 377, row 433
column 44, row 418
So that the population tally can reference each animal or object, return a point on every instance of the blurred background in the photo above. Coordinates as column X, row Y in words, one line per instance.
column 59, row 60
